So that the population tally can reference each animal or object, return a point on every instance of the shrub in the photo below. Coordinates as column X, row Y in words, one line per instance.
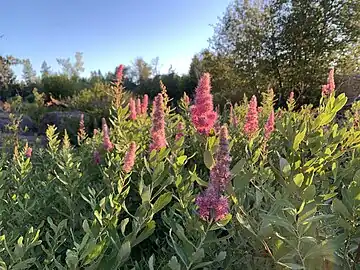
column 287, row 200
column 61, row 86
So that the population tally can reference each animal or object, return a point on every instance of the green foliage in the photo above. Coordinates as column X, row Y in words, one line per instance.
column 294, row 198
column 287, row 44
column 61, row 86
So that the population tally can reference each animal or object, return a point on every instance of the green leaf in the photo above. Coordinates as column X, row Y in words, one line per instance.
column 309, row 193
column 221, row 223
column 340, row 102
column 149, row 230
column 151, row 262
column 123, row 224
column 245, row 223
column 24, row 264
column 299, row 138
column 71, row 259
column 299, row 179
column 308, row 211
column 278, row 221
column 317, row 218
column 95, row 251
column 181, row 160
column 162, row 201
column 146, row 194
column 239, row 166
column 124, row 252
column 198, row 256
column 221, row 256
column 339, row 207
column 285, row 167
column 208, row 159
column 324, row 119
column 174, row 264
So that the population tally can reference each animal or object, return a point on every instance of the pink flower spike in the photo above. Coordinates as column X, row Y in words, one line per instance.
column 130, row 158
column 212, row 200
column 28, row 152
column 132, row 108
column 145, row 104
column 331, row 81
column 203, row 115
column 291, row 97
column 180, row 130
column 119, row 73
column 158, row 124
column 81, row 131
column 269, row 126
column 108, row 146
column 220, row 174
column 252, row 123
column 186, row 99
column 138, row 106
column 329, row 88
column 96, row 156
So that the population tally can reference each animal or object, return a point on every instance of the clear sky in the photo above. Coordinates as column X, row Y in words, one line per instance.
column 108, row 32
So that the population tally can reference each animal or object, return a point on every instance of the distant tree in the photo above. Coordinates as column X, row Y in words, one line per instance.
column 155, row 66
column 140, row 70
column 29, row 74
column 66, row 66
column 45, row 69
column 79, row 64
column 7, row 76
column 69, row 69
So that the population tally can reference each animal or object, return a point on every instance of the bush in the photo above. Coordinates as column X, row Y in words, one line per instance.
column 61, row 86
column 292, row 191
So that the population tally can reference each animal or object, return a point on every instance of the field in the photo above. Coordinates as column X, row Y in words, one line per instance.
column 188, row 187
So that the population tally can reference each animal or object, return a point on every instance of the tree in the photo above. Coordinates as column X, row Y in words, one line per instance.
column 288, row 44
column 155, row 66
column 79, row 64
column 140, row 70
column 29, row 74
column 6, row 73
column 66, row 66
column 45, row 69
column 69, row 69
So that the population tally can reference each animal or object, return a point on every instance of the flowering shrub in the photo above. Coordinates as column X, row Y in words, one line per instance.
column 168, row 191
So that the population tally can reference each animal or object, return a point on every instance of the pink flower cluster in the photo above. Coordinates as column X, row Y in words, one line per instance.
column 108, row 146
column 138, row 108
column 291, row 97
column 202, row 112
column 180, row 131
column 145, row 104
column 120, row 73
column 212, row 200
column 270, row 125
column 96, row 156
column 28, row 152
column 158, row 124
column 130, row 158
column 132, row 108
column 252, row 123
column 81, row 132
column 186, row 99
column 328, row 88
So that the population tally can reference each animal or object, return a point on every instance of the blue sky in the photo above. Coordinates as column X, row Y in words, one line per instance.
column 108, row 32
